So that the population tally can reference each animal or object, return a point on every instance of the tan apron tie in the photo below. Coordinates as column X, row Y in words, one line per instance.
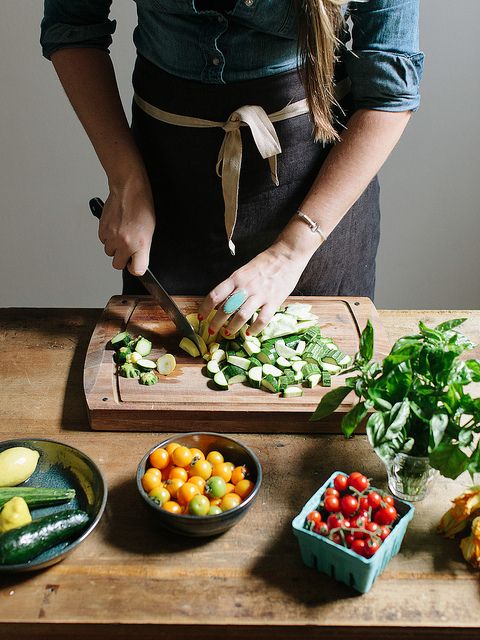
column 230, row 155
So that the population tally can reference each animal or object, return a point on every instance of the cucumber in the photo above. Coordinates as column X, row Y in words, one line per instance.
column 146, row 365
column 220, row 380
column 300, row 348
column 270, row 383
column 235, row 346
column 218, row 355
column 143, row 346
column 238, row 361
column 345, row 361
column 312, row 333
column 251, row 347
column 298, row 365
column 234, row 374
column 255, row 362
column 122, row 339
column 266, row 356
column 292, row 392
column 27, row 542
column 255, row 375
column 270, row 370
column 310, row 369
column 298, row 377
column 36, row 496
column 330, row 368
column 214, row 346
column 326, row 379
column 284, row 351
column 241, row 353
column 212, row 368
column 313, row 379
column 283, row 363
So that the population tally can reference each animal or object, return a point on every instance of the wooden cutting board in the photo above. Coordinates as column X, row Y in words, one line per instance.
column 187, row 400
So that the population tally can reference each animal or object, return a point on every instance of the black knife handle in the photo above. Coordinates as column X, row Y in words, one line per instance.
column 96, row 207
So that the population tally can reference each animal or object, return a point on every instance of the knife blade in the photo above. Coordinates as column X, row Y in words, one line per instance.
column 153, row 286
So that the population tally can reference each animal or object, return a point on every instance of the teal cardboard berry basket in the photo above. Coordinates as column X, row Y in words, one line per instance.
column 340, row 562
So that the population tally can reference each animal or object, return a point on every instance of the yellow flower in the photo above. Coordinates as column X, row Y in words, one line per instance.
column 457, row 517
column 470, row 545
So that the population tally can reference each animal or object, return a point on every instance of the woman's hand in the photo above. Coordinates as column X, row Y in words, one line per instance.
column 127, row 224
column 267, row 280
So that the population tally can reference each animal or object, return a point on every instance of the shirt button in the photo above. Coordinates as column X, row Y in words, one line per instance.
column 216, row 61
column 248, row 2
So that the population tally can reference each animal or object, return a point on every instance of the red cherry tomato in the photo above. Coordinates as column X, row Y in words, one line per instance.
column 371, row 547
column 358, row 522
column 386, row 515
column 358, row 481
column 349, row 505
column 335, row 520
column 340, row 483
column 314, row 516
column 336, row 537
column 364, row 513
column 332, row 492
column 374, row 500
column 389, row 501
column 331, row 504
column 321, row 528
column 349, row 538
column 359, row 547
column 363, row 503
column 383, row 532
column 372, row 527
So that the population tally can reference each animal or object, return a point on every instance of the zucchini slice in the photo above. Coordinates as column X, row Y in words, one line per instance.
column 251, row 347
column 255, row 375
column 166, row 364
column 219, row 355
column 122, row 339
column 143, row 347
column 190, row 347
column 313, row 379
column 292, row 392
column 270, row 384
column 238, row 361
column 220, row 380
column 284, row 351
column 330, row 368
column 212, row 368
column 146, row 365
column 326, row 379
column 234, row 374
column 270, row 370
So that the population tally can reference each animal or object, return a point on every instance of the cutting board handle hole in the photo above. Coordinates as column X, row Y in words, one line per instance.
column 104, row 399
column 124, row 301
column 356, row 304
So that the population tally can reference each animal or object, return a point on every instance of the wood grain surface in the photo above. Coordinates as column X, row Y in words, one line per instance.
column 186, row 396
column 131, row 579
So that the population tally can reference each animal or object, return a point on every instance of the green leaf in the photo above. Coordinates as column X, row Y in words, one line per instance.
column 474, row 367
column 385, row 452
column 353, row 418
column 450, row 324
column 366, row 342
column 330, row 402
column 431, row 334
column 449, row 459
column 379, row 402
column 465, row 437
column 406, row 352
column 376, row 429
column 399, row 413
column 438, row 425
column 474, row 461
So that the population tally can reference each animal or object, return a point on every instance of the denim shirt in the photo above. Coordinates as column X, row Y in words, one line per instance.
column 257, row 38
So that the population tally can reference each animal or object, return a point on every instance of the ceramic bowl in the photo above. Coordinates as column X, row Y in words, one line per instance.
column 196, row 526
column 62, row 466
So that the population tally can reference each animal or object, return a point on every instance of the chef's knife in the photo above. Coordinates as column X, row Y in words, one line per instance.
column 153, row 286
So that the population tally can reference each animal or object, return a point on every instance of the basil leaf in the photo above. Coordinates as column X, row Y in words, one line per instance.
column 385, row 452
column 438, row 425
column 408, row 445
column 474, row 462
column 353, row 418
column 376, row 429
column 400, row 413
column 366, row 342
column 449, row 459
column 465, row 437
column 330, row 402
column 431, row 334
column 474, row 368
column 450, row 324
column 379, row 402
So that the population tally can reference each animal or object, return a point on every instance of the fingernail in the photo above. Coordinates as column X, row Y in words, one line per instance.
column 211, row 331
column 247, row 332
column 226, row 332
column 200, row 317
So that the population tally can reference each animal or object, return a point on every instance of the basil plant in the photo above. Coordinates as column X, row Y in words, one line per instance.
column 416, row 398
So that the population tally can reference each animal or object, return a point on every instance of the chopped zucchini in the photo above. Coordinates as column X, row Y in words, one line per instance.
column 270, row 384
column 298, row 309
column 283, row 363
column 255, row 375
column 271, row 370
column 221, row 381
column 121, row 355
column 284, row 351
column 133, row 358
column 190, row 347
column 148, row 378
column 298, row 366
column 255, row 362
column 212, row 368
column 122, row 339
column 266, row 356
column 166, row 364
column 330, row 368
column 326, row 379
column 313, row 379
column 192, row 319
column 234, row 374
column 292, row 392
column 238, row 361
column 146, row 365
column 251, row 347
column 310, row 369
column 219, row 355
column 129, row 370
column 214, row 346
column 143, row 346
column 300, row 348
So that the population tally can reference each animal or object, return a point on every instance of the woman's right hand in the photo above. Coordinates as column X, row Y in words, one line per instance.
column 127, row 224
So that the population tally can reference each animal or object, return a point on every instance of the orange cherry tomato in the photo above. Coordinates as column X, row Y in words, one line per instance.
column 151, row 478
column 178, row 472
column 239, row 473
column 230, row 465
column 230, row 501
column 215, row 457
column 186, row 492
column 230, row 488
column 222, row 470
column 172, row 506
column 215, row 502
column 172, row 486
column 170, row 448
column 181, row 456
column 159, row 458
column 200, row 482
column 244, row 488
column 197, row 454
column 160, row 495
column 201, row 468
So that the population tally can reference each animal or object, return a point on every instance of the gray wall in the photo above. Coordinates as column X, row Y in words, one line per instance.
column 50, row 255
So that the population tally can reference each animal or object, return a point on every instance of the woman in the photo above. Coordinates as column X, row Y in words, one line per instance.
column 301, row 214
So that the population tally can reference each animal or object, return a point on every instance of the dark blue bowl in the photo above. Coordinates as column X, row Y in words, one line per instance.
column 197, row 526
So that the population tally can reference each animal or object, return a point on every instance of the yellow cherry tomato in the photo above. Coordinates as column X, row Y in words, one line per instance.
column 200, row 482
column 186, row 492
column 244, row 488
column 181, row 456
column 159, row 458
column 172, row 486
column 197, row 454
column 215, row 502
column 160, row 495
column 230, row 501
column 178, row 472
column 230, row 465
column 222, row 470
column 230, row 488
column 201, row 468
column 239, row 473
column 151, row 478
column 215, row 457
column 172, row 506
column 170, row 448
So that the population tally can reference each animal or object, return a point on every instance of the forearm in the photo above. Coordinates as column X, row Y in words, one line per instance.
column 347, row 171
column 88, row 79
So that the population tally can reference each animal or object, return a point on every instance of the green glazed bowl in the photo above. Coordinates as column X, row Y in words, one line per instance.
column 198, row 526
column 64, row 467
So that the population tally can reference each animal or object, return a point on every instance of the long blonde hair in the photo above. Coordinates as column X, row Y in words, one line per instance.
column 319, row 24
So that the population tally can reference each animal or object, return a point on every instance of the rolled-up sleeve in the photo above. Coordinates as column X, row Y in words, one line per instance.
column 76, row 23
column 384, row 64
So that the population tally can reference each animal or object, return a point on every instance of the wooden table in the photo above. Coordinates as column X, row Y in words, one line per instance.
column 131, row 579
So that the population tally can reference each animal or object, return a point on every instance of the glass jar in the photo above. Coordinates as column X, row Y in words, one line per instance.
column 410, row 477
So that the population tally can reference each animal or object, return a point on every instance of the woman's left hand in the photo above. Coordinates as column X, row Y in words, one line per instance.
column 267, row 280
